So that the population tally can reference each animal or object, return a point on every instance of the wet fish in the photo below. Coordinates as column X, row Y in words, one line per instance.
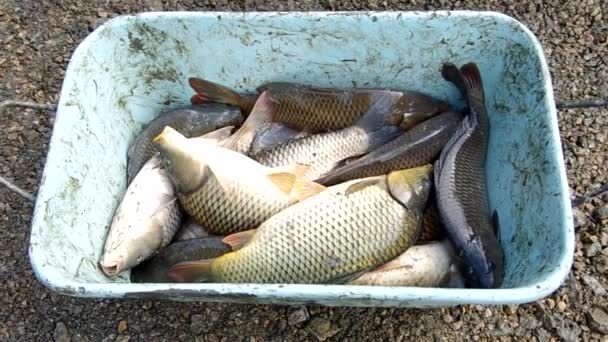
column 191, row 121
column 190, row 230
column 331, row 237
column 226, row 191
column 317, row 109
column 460, row 185
column 154, row 270
column 144, row 222
column 417, row 146
column 429, row 265
column 323, row 151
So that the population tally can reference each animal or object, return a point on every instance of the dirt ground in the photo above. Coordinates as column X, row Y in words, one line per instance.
column 38, row 38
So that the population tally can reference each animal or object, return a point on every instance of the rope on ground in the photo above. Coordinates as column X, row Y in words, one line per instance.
column 25, row 104
column 582, row 104
column 17, row 189
column 587, row 197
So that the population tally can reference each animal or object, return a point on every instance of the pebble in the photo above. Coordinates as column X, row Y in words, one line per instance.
column 604, row 239
column 447, row 318
column 550, row 303
column 80, row 338
column 561, row 306
column 579, row 217
column 594, row 284
column 197, row 324
column 124, row 338
column 602, row 212
column 122, row 326
column 61, row 333
column 598, row 320
column 322, row 328
column 593, row 249
column 299, row 316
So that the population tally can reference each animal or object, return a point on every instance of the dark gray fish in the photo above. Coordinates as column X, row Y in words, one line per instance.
column 460, row 186
column 154, row 270
column 418, row 146
column 190, row 230
column 191, row 121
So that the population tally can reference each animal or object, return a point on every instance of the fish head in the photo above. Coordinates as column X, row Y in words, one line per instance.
column 413, row 108
column 181, row 159
column 484, row 266
column 411, row 187
column 129, row 251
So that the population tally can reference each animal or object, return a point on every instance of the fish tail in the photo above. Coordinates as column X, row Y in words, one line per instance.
column 382, row 136
column 191, row 271
column 208, row 91
column 451, row 74
column 473, row 86
column 261, row 113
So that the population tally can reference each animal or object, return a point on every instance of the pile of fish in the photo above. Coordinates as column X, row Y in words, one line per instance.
column 310, row 185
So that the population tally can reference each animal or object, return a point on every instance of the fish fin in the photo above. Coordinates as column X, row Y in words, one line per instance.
column 212, row 92
column 302, row 189
column 218, row 134
column 298, row 169
column 347, row 278
column 376, row 117
column 360, row 185
column 198, row 99
column 191, row 271
column 382, row 136
column 283, row 180
column 473, row 90
column 237, row 240
column 261, row 113
column 451, row 74
column 496, row 225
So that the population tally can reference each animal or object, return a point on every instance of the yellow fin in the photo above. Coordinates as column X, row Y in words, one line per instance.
column 364, row 183
column 237, row 240
column 283, row 180
column 303, row 189
column 298, row 169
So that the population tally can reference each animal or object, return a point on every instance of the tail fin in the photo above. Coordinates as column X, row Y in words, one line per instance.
column 261, row 113
column 451, row 74
column 473, row 86
column 191, row 271
column 208, row 91
column 383, row 136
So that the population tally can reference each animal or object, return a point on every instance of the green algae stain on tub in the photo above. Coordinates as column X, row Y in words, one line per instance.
column 134, row 67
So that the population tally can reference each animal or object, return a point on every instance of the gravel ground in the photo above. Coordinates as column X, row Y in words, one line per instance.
column 38, row 38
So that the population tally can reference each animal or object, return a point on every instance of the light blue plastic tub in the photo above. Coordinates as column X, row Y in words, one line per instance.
column 134, row 67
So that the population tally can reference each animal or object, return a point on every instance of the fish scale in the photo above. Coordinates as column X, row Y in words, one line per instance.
column 226, row 212
column 319, row 111
column 300, row 249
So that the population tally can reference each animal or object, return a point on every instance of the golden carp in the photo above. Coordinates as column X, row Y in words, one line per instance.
column 337, row 234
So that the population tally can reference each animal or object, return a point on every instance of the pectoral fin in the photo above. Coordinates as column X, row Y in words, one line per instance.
column 237, row 240
column 358, row 186
column 283, row 180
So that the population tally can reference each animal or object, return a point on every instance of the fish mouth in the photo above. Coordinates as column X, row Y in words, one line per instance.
column 111, row 269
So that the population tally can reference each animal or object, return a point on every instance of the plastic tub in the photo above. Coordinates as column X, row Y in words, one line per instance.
column 134, row 67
